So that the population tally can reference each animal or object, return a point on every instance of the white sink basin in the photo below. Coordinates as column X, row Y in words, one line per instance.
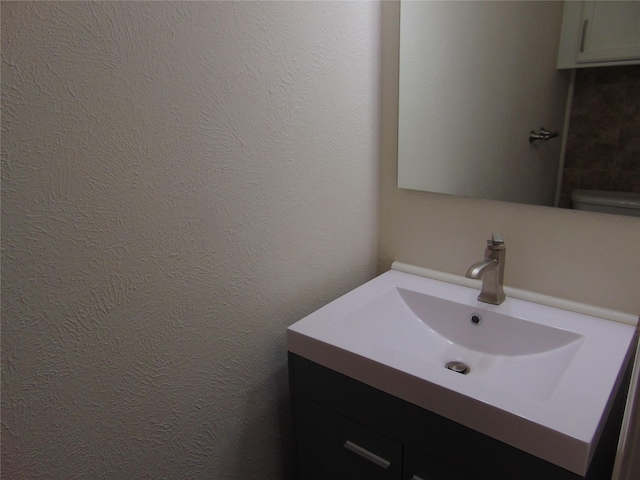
column 512, row 354
column 498, row 334
column 540, row 378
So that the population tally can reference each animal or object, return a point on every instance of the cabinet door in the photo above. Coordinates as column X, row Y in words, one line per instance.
column 420, row 467
column 332, row 447
column 610, row 31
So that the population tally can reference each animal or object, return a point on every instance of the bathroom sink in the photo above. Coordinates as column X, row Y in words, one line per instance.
column 512, row 354
column 535, row 377
column 491, row 333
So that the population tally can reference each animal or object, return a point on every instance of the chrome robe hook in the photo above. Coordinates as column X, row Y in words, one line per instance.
column 541, row 135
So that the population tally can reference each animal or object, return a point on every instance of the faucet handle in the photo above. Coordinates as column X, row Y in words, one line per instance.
column 496, row 243
column 496, row 239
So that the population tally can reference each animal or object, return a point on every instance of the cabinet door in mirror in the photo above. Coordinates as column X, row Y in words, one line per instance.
column 610, row 31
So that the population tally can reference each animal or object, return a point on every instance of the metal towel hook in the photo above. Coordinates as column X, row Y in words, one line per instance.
column 541, row 135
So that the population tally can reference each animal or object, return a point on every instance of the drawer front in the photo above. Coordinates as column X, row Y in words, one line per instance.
column 419, row 467
column 330, row 446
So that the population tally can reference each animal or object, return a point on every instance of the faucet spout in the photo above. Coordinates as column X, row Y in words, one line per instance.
column 491, row 271
column 477, row 270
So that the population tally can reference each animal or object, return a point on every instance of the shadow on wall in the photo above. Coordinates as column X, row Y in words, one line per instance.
column 264, row 423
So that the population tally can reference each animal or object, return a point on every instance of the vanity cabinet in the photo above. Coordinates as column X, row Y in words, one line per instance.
column 598, row 33
column 345, row 429
column 331, row 446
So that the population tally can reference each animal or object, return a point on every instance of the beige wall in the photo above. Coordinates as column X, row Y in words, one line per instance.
column 180, row 182
column 579, row 256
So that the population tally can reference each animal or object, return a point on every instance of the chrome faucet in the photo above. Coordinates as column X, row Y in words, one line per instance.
column 491, row 271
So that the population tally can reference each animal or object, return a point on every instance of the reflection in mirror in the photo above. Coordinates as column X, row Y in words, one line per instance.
column 603, row 140
column 475, row 79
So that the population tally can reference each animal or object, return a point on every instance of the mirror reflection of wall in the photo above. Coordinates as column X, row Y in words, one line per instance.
column 475, row 79
column 603, row 140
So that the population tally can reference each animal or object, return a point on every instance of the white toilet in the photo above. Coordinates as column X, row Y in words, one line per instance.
column 619, row 203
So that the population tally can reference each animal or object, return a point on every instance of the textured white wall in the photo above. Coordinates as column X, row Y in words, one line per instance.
column 180, row 182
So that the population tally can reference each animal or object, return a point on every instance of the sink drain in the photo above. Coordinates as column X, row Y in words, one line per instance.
column 458, row 367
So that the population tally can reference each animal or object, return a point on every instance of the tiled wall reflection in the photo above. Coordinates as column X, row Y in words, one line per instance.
column 603, row 143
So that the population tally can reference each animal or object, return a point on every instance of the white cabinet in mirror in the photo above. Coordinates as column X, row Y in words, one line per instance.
column 599, row 33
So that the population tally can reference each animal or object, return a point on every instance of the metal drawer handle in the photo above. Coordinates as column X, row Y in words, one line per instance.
column 366, row 454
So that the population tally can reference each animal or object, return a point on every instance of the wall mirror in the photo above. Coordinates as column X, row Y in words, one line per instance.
column 476, row 77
